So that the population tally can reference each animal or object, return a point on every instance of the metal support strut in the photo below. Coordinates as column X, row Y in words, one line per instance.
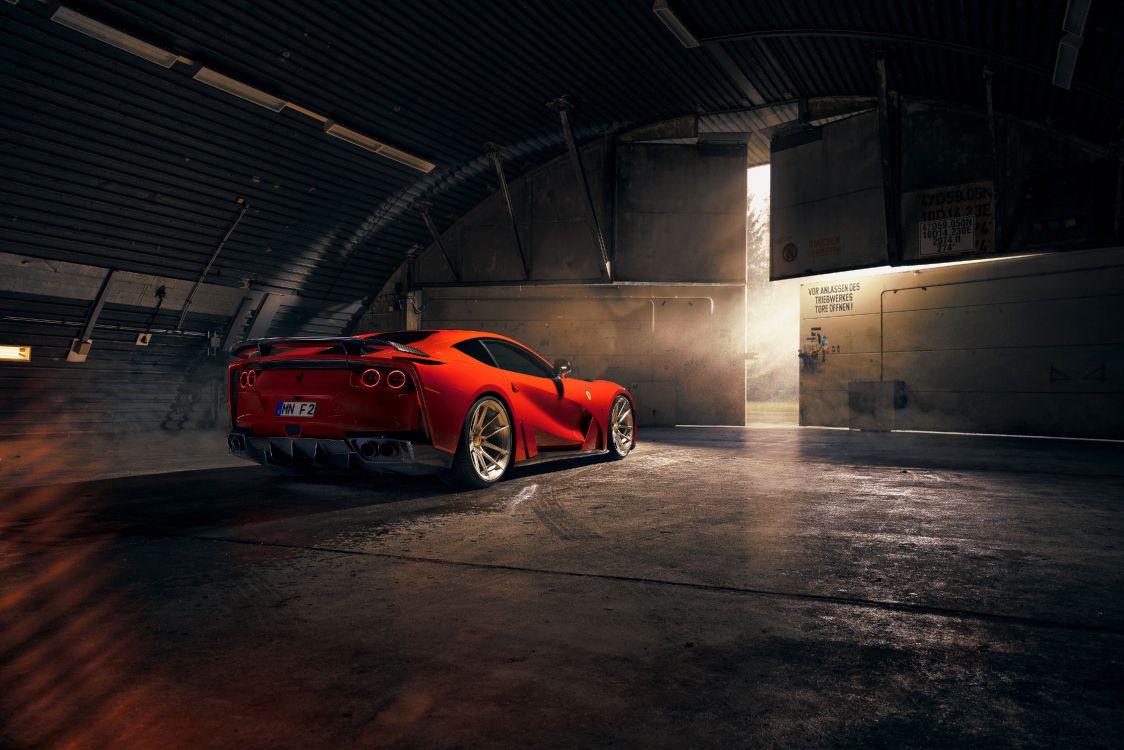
column 494, row 152
column 211, row 262
column 997, row 177
column 562, row 106
column 80, row 347
column 888, row 140
column 423, row 209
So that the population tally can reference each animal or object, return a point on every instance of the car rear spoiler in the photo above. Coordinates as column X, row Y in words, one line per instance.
column 352, row 345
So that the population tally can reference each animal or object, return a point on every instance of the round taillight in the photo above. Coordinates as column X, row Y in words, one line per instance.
column 370, row 378
column 248, row 378
column 396, row 379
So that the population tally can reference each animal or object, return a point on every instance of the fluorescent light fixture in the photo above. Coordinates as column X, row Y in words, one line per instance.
column 664, row 12
column 409, row 160
column 119, row 39
column 1076, row 14
column 366, row 142
column 15, row 353
column 1066, row 63
column 354, row 138
column 239, row 89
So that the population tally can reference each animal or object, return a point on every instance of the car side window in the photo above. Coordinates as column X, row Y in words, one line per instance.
column 475, row 349
column 517, row 359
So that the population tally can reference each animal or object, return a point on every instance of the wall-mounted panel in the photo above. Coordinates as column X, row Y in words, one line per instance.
column 977, row 186
column 827, row 209
column 1031, row 345
column 680, row 213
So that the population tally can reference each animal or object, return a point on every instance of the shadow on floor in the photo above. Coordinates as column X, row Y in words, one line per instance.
column 182, row 502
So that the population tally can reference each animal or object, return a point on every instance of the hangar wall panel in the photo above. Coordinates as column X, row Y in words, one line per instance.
column 963, row 184
column 998, row 186
column 671, row 327
column 688, row 198
column 826, row 196
column 678, row 349
column 1031, row 345
column 551, row 216
column 174, row 383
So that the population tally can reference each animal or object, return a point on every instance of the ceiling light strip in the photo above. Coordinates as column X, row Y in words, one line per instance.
column 95, row 29
column 356, row 138
column 119, row 39
column 306, row 112
column 244, row 91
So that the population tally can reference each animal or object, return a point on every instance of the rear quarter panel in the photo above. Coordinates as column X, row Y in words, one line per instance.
column 449, row 390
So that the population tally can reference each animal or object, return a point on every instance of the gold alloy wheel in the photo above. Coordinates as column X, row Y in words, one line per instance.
column 489, row 439
column 622, row 423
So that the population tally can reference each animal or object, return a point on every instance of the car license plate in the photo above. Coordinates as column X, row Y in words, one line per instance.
column 296, row 409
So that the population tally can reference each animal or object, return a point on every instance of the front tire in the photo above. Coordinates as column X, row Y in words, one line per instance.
column 486, row 445
column 622, row 428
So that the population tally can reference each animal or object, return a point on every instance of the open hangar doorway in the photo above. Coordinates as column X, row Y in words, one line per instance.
column 981, row 291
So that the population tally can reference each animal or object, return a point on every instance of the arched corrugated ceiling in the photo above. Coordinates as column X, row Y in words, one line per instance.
column 111, row 160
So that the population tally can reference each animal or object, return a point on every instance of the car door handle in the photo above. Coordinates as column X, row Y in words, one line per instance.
column 514, row 388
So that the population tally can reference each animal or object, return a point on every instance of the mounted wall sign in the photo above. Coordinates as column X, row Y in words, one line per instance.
column 948, row 221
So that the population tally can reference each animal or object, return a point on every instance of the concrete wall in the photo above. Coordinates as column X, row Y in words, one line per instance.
column 826, row 200
column 1031, row 345
column 678, row 349
column 175, row 383
column 551, row 216
column 680, row 213
column 672, row 325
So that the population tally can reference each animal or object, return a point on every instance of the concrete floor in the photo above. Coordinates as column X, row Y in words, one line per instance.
column 720, row 588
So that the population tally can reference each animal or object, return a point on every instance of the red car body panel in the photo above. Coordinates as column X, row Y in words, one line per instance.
column 442, row 382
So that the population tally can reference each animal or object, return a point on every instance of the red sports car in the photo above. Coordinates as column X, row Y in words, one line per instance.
column 466, row 403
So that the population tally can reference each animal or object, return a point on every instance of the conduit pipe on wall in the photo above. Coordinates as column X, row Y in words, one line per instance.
column 214, row 256
column 101, row 326
column 595, row 298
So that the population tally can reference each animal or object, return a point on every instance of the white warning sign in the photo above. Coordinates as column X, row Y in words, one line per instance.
column 951, row 236
column 948, row 221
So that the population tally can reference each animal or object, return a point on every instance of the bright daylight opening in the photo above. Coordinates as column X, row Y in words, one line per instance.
column 772, row 330
column 772, row 387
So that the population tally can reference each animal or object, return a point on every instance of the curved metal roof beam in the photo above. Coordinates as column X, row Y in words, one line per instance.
column 883, row 36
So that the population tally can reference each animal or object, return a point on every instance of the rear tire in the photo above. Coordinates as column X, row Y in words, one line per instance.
column 486, row 446
column 622, row 429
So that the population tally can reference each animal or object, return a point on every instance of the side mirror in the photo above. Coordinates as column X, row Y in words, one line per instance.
column 562, row 368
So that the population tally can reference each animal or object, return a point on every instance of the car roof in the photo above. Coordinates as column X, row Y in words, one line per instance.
column 447, row 337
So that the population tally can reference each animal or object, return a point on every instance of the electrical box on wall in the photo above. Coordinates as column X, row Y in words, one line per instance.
column 79, row 350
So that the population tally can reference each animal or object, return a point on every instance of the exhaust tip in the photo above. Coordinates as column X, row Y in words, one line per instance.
column 396, row 379
column 388, row 449
column 236, row 442
column 367, row 450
